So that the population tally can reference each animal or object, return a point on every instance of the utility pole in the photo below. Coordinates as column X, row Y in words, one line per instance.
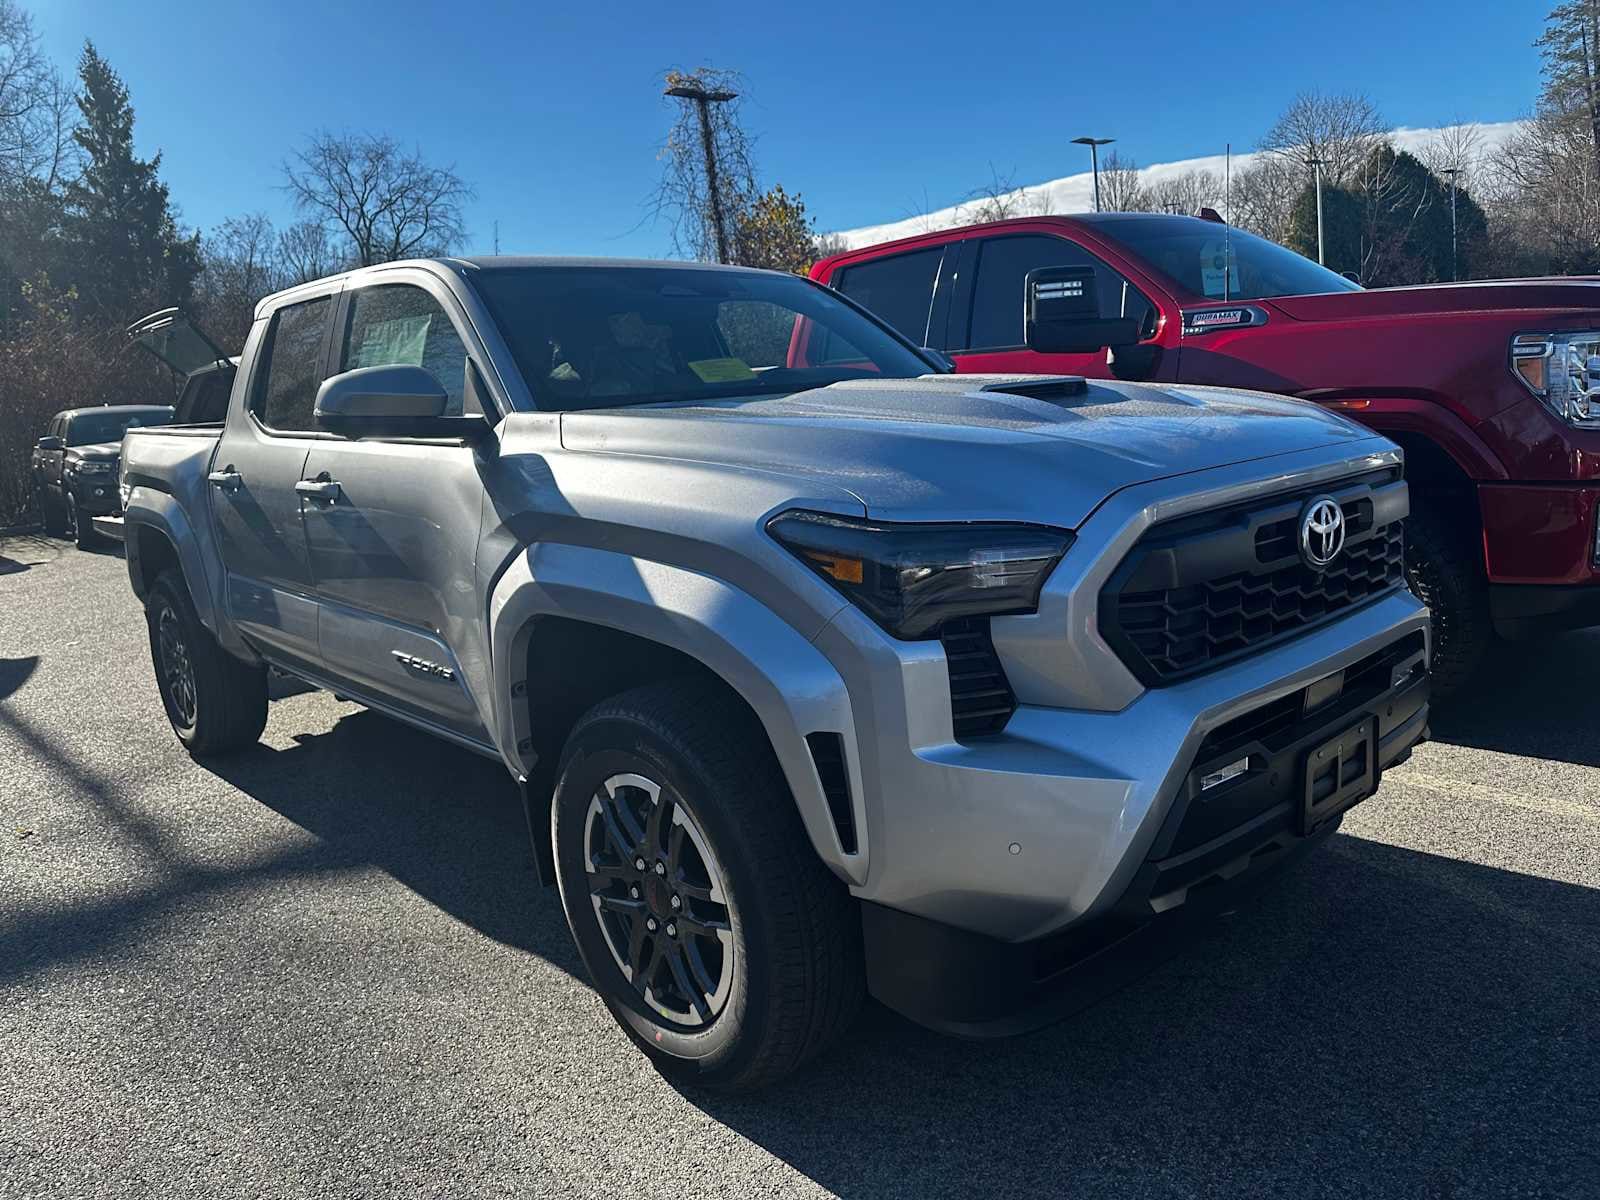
column 703, row 100
column 1453, row 172
column 1094, row 145
column 1316, row 165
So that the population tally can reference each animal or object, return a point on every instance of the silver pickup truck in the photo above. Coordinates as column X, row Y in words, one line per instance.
column 823, row 672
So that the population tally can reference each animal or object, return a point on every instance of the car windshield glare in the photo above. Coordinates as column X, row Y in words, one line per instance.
column 1191, row 253
column 605, row 337
column 91, row 429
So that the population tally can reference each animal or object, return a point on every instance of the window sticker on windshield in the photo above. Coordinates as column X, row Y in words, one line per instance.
column 395, row 343
column 1213, row 255
column 722, row 370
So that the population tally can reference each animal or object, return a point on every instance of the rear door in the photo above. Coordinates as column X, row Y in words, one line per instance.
column 259, row 460
column 900, row 289
column 985, row 330
column 394, row 545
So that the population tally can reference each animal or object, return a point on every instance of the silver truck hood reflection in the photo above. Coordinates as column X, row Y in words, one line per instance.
column 938, row 448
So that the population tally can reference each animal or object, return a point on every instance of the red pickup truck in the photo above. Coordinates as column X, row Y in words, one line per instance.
column 1492, row 389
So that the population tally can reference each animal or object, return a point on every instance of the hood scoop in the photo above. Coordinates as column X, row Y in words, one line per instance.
column 1041, row 387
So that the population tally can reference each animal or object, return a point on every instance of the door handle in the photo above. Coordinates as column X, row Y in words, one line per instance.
column 227, row 479
column 319, row 489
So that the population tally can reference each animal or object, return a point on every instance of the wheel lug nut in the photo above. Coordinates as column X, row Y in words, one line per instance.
column 677, row 902
column 650, row 924
column 638, row 864
column 661, row 868
column 672, row 930
column 633, row 893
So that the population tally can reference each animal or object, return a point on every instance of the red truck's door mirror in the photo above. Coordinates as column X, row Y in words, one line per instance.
column 1061, row 313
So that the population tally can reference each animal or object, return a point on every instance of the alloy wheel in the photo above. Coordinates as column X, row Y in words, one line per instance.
column 659, row 896
column 177, row 669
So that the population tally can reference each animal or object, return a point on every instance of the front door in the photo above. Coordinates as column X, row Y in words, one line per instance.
column 393, row 540
column 986, row 334
column 255, row 504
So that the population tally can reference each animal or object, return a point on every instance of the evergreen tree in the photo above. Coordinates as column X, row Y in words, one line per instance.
column 126, row 253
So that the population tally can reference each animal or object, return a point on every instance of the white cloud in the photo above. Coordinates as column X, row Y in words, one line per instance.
column 1075, row 193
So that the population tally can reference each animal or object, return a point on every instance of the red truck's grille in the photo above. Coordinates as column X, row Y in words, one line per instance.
column 1199, row 592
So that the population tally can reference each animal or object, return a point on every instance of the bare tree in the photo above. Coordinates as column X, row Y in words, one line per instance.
column 708, row 178
column 37, row 109
column 307, row 251
column 998, row 200
column 389, row 203
column 1120, row 187
column 1458, row 148
column 1341, row 129
column 1187, row 193
column 1263, row 195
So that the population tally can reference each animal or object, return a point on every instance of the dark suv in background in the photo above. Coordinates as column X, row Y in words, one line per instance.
column 75, row 465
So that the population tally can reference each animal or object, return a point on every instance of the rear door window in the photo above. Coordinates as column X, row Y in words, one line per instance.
column 1003, row 265
column 398, row 324
column 286, row 386
column 897, row 289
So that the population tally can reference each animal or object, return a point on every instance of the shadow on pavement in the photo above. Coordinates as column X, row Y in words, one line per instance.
column 14, row 672
column 445, row 822
column 1380, row 1022
column 1536, row 699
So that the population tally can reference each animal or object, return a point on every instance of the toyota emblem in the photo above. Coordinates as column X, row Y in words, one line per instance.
column 1321, row 531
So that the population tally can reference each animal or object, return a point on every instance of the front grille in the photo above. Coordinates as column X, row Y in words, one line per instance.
column 981, row 700
column 1201, row 591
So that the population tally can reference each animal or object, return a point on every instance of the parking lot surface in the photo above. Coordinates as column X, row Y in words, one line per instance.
column 324, row 967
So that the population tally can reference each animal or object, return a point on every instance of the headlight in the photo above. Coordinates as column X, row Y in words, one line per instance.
column 1563, row 370
column 96, row 468
column 912, row 578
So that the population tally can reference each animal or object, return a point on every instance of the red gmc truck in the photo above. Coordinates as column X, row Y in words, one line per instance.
column 1492, row 389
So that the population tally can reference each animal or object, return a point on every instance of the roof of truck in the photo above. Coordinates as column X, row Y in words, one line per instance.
column 502, row 262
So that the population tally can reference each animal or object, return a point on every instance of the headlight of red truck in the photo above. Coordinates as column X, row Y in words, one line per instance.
column 1563, row 370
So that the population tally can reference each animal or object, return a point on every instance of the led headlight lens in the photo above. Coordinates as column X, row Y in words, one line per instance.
column 1563, row 370
column 912, row 578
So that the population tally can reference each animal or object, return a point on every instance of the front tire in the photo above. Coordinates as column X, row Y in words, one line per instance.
column 1444, row 571
column 215, row 702
column 732, row 955
column 80, row 528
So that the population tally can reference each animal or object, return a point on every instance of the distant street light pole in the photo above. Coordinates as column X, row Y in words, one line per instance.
column 1453, row 172
column 703, row 100
column 1094, row 145
column 1316, row 165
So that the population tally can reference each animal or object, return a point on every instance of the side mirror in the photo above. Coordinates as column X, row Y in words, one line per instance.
column 393, row 401
column 52, row 443
column 1061, row 314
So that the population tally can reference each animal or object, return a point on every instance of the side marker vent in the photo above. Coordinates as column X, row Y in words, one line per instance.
column 827, row 752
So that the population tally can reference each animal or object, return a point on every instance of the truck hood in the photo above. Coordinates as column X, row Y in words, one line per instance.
column 1491, row 295
column 101, row 452
column 955, row 448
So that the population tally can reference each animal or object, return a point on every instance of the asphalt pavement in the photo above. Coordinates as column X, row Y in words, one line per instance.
column 324, row 968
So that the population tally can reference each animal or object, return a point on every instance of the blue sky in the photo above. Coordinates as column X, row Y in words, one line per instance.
column 553, row 111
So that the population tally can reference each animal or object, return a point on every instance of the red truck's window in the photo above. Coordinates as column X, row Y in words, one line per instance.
column 898, row 289
column 1003, row 264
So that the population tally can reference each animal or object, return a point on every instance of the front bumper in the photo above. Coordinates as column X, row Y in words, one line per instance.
column 96, row 495
column 1541, row 534
column 1212, row 847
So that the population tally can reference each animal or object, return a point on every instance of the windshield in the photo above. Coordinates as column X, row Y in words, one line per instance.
column 1191, row 252
column 605, row 337
column 92, row 428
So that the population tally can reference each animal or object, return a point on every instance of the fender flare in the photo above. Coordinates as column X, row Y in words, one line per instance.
column 159, row 511
column 789, row 684
column 1408, row 414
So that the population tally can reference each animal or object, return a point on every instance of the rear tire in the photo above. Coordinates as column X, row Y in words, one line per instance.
column 1444, row 571
column 745, row 947
column 215, row 702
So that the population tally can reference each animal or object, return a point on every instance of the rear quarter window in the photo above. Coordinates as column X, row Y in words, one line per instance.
column 286, row 385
